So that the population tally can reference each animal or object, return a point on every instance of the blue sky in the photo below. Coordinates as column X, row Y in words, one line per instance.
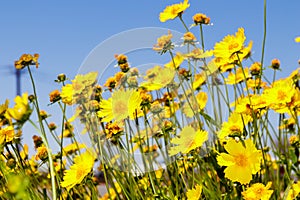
column 65, row 32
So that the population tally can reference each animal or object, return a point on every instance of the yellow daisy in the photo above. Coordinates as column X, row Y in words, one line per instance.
column 176, row 61
column 83, row 164
column 195, row 104
column 258, row 191
column 241, row 160
column 195, row 193
column 21, row 111
column 230, row 44
column 280, row 96
column 67, row 93
column 158, row 78
column 238, row 77
column 122, row 104
column 226, row 50
column 7, row 134
column 188, row 140
column 234, row 125
column 173, row 11
column 294, row 191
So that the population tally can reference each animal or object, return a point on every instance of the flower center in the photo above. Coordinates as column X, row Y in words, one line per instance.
column 233, row 46
column 241, row 160
column 281, row 95
column 79, row 173
column 120, row 108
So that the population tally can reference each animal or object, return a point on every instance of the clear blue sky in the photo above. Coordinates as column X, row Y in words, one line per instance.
column 64, row 32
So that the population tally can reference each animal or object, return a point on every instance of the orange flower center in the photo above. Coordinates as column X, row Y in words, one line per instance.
column 281, row 95
column 241, row 160
column 233, row 46
column 79, row 173
column 120, row 108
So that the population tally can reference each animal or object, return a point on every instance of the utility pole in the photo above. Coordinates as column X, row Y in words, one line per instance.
column 18, row 81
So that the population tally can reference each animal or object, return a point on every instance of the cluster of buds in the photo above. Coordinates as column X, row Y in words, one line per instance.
column 26, row 60
column 122, row 62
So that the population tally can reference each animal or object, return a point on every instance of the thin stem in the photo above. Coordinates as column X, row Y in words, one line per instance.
column 43, row 135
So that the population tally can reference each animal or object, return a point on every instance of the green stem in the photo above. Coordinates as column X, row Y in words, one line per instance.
column 43, row 135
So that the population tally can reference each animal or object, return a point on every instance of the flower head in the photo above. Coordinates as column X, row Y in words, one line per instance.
column 195, row 193
column 189, row 140
column 200, row 18
column 122, row 104
column 241, row 160
column 158, row 77
column 234, row 125
column 7, row 134
column 240, row 76
column 173, row 11
column 21, row 111
column 83, row 164
column 258, row 191
column 231, row 50
column 164, row 43
column 275, row 64
column 67, row 93
column 26, row 60
column 176, row 61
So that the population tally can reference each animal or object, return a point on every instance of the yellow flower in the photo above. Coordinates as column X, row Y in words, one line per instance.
column 111, row 194
column 173, row 11
column 158, row 78
column 258, row 191
column 83, row 164
column 197, row 54
column 238, row 77
column 163, row 43
column 275, row 64
column 42, row 153
column 4, row 107
column 200, row 18
column 241, row 161
column 7, row 134
column 195, row 104
column 80, row 88
column 21, row 110
column 81, row 82
column 255, row 68
column 26, row 60
column 255, row 84
column 121, row 105
column 67, row 93
column 230, row 44
column 195, row 193
column 280, row 97
column 189, row 140
column 297, row 39
column 176, row 61
column 73, row 147
column 189, row 37
column 294, row 191
column 231, row 50
column 54, row 96
column 199, row 80
column 234, row 125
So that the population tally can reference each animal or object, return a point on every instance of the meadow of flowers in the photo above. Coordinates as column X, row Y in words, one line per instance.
column 209, row 124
